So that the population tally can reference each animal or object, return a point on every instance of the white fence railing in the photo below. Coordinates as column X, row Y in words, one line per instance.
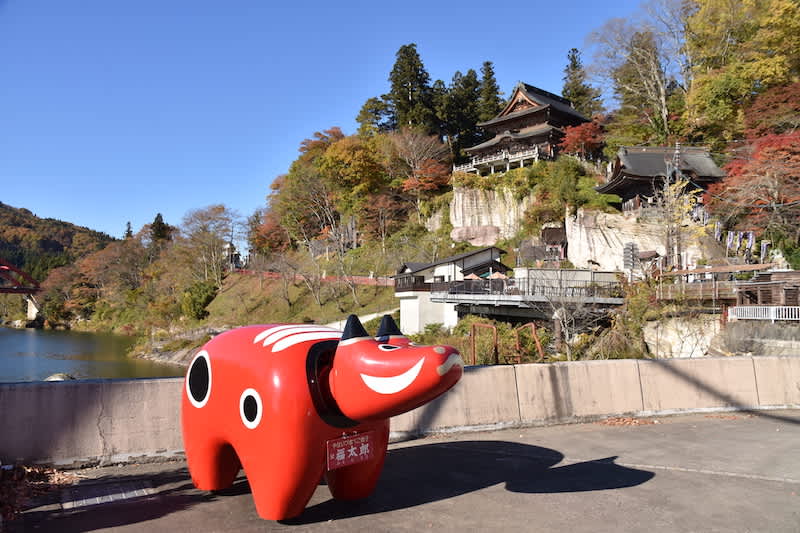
column 764, row 312
column 500, row 158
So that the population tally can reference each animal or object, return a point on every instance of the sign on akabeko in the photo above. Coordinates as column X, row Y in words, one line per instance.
column 350, row 450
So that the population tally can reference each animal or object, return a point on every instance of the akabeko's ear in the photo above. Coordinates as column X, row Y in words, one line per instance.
column 388, row 328
column 353, row 329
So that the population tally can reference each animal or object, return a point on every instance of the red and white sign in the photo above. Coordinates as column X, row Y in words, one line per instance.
column 349, row 450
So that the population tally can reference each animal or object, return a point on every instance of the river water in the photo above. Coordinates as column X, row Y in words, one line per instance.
column 33, row 355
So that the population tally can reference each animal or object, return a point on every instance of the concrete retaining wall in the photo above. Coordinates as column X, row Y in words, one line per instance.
column 77, row 422
column 100, row 421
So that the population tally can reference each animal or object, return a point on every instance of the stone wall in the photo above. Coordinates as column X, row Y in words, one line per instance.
column 598, row 239
column 484, row 217
column 681, row 337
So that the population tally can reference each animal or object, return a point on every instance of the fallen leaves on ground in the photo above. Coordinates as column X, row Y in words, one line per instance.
column 20, row 483
column 729, row 417
column 627, row 421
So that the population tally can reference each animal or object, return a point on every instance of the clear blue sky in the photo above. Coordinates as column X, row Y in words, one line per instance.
column 112, row 110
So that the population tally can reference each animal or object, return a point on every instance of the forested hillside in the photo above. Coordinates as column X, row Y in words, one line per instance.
column 36, row 245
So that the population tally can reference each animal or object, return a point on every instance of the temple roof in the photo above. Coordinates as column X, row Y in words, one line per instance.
column 524, row 133
column 652, row 161
column 636, row 167
column 540, row 99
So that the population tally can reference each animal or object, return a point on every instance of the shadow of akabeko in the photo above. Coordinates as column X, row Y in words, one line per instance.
column 417, row 475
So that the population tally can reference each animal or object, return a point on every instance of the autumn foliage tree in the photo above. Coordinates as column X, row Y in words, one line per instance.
column 777, row 110
column 429, row 176
column 425, row 158
column 762, row 190
column 584, row 140
column 740, row 48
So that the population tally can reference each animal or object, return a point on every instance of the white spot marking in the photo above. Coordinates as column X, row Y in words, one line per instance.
column 204, row 401
column 259, row 408
column 453, row 360
column 267, row 331
column 278, row 335
column 393, row 384
column 303, row 337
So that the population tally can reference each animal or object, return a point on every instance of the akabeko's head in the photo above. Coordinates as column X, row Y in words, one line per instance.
column 373, row 379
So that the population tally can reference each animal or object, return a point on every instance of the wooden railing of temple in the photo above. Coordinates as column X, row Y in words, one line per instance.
column 500, row 158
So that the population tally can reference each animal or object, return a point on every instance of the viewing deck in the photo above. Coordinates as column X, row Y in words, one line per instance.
column 502, row 161
column 524, row 292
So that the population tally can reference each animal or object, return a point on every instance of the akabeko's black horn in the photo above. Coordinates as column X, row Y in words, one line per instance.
column 388, row 328
column 353, row 329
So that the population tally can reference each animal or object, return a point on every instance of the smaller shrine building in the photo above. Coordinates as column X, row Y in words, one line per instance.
column 637, row 171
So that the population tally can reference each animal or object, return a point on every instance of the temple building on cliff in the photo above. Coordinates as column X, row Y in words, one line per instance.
column 638, row 171
column 529, row 128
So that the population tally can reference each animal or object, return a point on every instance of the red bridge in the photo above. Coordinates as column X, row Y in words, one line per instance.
column 15, row 281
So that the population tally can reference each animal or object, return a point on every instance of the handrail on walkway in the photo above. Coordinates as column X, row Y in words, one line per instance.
column 764, row 312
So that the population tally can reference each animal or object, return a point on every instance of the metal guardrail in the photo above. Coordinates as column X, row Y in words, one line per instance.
column 411, row 283
column 700, row 290
column 764, row 312
column 516, row 290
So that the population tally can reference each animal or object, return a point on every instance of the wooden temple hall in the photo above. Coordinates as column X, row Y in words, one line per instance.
column 529, row 128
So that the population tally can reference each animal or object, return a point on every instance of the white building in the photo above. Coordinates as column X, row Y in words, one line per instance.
column 414, row 282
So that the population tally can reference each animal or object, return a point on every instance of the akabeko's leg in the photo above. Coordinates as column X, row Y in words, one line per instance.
column 358, row 481
column 212, row 465
column 281, row 489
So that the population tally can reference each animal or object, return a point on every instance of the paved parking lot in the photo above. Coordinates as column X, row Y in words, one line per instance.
column 700, row 472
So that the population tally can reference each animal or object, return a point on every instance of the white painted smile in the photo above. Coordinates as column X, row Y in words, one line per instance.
column 393, row 384
column 453, row 360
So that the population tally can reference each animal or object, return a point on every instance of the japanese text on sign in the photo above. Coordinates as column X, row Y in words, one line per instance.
column 350, row 450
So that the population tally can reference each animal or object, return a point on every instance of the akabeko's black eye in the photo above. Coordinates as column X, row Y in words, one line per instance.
column 250, row 408
column 198, row 380
column 387, row 347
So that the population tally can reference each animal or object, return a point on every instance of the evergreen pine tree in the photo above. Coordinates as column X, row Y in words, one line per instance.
column 410, row 94
column 159, row 231
column 439, row 101
column 585, row 98
column 489, row 103
column 375, row 117
column 460, row 112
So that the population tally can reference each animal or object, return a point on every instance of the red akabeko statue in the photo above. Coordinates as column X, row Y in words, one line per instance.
column 291, row 403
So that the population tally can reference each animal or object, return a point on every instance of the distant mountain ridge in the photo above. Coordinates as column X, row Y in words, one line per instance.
column 36, row 245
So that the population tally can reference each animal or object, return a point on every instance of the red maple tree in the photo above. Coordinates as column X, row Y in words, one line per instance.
column 584, row 140
column 762, row 189
column 776, row 110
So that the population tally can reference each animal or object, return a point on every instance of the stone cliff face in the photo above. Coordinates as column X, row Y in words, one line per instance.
column 484, row 217
column 598, row 239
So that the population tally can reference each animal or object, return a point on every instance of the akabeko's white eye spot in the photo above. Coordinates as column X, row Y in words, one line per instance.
column 387, row 347
column 250, row 408
column 198, row 380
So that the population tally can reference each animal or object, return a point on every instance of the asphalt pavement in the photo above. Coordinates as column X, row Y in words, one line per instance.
column 703, row 472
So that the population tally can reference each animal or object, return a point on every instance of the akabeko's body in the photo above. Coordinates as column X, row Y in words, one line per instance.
column 268, row 398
